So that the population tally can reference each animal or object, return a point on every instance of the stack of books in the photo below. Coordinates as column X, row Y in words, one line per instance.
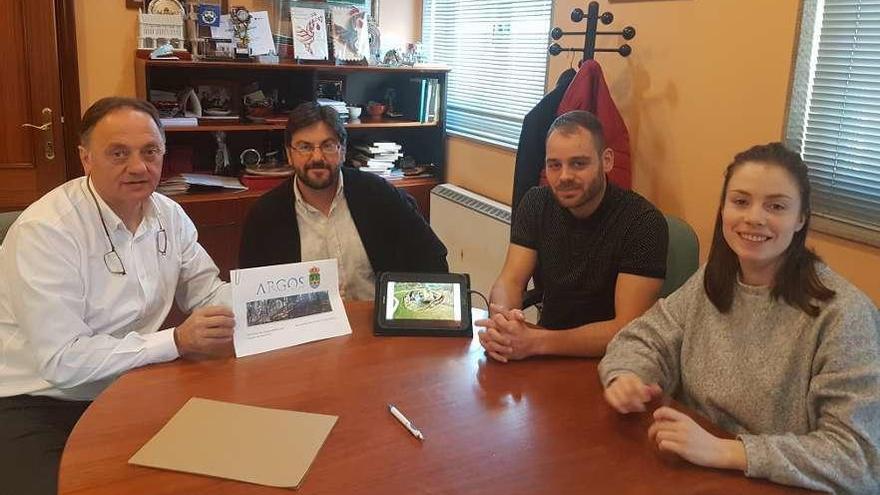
column 337, row 105
column 377, row 158
column 169, row 186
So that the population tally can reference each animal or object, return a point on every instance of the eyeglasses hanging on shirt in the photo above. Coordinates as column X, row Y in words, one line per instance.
column 112, row 260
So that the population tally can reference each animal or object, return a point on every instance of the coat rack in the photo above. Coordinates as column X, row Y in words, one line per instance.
column 592, row 16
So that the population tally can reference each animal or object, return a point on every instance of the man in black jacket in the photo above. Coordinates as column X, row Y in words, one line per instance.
column 331, row 211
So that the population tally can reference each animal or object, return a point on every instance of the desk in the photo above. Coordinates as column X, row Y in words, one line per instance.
column 538, row 426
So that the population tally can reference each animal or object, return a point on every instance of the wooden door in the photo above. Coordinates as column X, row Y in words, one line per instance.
column 32, row 152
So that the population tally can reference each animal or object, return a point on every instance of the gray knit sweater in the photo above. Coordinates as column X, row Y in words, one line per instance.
column 802, row 393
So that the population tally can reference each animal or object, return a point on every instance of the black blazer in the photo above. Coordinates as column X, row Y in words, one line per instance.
column 395, row 235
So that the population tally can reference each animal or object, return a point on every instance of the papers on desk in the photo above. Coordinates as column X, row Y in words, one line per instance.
column 258, row 445
column 213, row 181
column 284, row 305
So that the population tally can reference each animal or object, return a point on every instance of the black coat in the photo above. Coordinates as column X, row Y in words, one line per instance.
column 395, row 236
column 532, row 139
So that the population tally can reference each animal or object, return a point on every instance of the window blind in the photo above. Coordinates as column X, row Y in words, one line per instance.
column 834, row 119
column 497, row 50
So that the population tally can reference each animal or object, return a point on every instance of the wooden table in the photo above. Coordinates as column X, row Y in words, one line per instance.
column 539, row 426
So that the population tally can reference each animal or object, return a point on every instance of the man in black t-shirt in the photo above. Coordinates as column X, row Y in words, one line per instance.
column 598, row 250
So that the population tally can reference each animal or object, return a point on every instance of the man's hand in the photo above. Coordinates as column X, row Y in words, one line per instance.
column 206, row 333
column 507, row 335
column 675, row 431
column 627, row 393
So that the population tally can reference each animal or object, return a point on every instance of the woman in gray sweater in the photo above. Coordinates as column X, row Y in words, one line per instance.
column 764, row 340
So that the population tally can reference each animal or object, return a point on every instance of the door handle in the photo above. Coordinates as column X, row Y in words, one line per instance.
column 44, row 127
column 49, row 143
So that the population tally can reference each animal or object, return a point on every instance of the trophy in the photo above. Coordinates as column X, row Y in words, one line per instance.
column 241, row 21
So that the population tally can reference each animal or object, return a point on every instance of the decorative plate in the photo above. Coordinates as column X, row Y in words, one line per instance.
column 172, row 7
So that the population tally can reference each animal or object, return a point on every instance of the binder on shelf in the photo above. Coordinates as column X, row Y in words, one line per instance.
column 429, row 100
column 422, row 100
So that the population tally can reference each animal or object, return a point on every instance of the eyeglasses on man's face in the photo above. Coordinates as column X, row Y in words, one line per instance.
column 328, row 148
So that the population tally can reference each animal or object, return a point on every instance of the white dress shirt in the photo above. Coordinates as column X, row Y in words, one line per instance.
column 335, row 236
column 68, row 326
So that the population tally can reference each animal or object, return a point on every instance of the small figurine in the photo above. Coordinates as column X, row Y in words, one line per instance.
column 221, row 156
column 393, row 58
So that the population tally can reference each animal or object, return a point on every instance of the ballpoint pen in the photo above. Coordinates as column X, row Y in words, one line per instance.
column 405, row 422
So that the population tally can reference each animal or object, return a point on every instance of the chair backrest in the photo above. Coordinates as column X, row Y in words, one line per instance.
column 6, row 219
column 682, row 257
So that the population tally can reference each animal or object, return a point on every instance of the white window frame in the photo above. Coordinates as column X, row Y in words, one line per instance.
column 487, row 96
column 812, row 121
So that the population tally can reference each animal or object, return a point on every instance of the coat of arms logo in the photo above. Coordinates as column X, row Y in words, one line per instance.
column 314, row 277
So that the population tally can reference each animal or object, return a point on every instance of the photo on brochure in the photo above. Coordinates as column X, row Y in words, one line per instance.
column 264, row 311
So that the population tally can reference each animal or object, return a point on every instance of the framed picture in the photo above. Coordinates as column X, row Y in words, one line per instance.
column 351, row 42
column 218, row 99
column 330, row 87
column 309, row 33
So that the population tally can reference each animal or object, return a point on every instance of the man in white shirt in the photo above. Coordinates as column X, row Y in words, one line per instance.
column 331, row 211
column 88, row 274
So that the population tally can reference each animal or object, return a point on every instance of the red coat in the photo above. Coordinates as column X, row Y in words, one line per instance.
column 588, row 91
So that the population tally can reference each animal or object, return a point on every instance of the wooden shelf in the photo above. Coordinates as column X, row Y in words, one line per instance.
column 288, row 66
column 364, row 123
column 368, row 122
column 225, row 127
column 206, row 196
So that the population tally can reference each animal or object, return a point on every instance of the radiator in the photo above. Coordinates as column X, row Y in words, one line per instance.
column 475, row 230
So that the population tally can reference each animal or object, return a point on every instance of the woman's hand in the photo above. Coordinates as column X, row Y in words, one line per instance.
column 627, row 393
column 675, row 431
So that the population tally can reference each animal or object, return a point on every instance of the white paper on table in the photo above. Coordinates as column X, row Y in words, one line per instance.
column 309, row 33
column 213, row 181
column 285, row 305
column 259, row 31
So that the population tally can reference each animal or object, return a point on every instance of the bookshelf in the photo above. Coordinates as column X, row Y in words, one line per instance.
column 365, row 123
column 219, row 216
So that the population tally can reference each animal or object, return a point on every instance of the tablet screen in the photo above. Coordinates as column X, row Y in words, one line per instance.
column 435, row 301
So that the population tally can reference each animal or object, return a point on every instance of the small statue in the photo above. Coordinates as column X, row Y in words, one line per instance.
column 221, row 156
column 393, row 58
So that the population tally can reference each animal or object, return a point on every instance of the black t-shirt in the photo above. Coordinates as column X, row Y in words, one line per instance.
column 578, row 260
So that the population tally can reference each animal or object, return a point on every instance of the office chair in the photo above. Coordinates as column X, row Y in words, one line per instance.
column 6, row 220
column 682, row 260
column 682, row 256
